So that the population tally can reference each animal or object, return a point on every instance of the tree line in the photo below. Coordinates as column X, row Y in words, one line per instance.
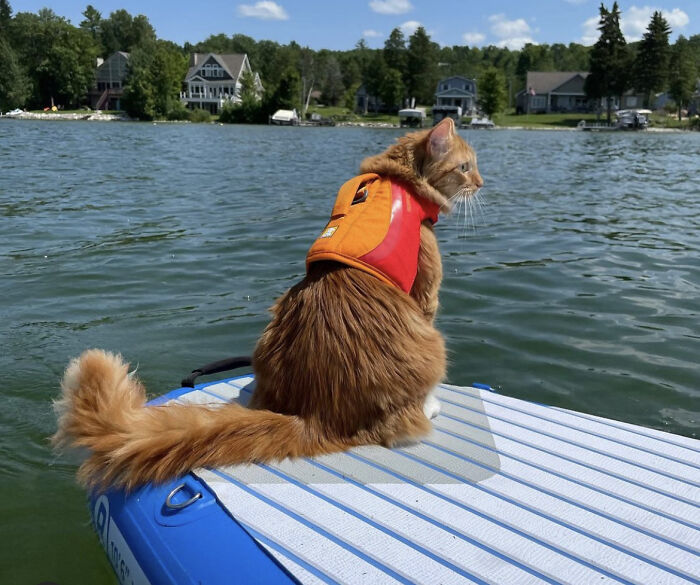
column 652, row 65
column 44, row 59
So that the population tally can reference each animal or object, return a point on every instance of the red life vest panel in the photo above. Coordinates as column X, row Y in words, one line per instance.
column 375, row 226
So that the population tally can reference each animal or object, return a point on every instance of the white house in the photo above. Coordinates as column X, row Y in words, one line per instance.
column 213, row 79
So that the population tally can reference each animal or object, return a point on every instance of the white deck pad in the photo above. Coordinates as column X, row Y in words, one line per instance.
column 503, row 491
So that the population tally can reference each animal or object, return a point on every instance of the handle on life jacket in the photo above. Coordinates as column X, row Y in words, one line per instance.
column 346, row 194
column 216, row 367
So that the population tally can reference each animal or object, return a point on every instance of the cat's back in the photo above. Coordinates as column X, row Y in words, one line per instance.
column 342, row 327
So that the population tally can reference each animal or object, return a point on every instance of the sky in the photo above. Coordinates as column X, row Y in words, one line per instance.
column 339, row 25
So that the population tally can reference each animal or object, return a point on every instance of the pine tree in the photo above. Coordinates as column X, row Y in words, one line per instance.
column 395, row 53
column 14, row 84
column 651, row 64
column 5, row 14
column 92, row 22
column 610, row 60
column 421, row 64
column 391, row 88
column 492, row 91
column 682, row 74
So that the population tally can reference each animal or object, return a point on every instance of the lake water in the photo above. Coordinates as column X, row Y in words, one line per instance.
column 577, row 284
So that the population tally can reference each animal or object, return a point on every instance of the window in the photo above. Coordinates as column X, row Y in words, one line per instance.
column 538, row 101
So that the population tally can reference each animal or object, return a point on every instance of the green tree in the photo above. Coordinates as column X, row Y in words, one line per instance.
column 156, row 71
column 249, row 109
column 682, row 74
column 374, row 75
column 14, row 85
column 288, row 92
column 610, row 60
column 138, row 99
column 59, row 58
column 331, row 80
column 5, row 15
column 395, row 53
column 92, row 22
column 123, row 32
column 421, row 64
column 492, row 91
column 533, row 58
column 651, row 63
column 391, row 88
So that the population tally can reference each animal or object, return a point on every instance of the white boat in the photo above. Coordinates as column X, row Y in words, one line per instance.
column 481, row 123
column 625, row 120
column 412, row 117
column 285, row 118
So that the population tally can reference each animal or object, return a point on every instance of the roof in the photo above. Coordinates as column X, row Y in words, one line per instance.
column 231, row 62
column 548, row 81
column 444, row 79
column 454, row 92
column 285, row 115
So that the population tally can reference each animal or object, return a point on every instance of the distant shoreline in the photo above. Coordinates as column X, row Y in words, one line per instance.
column 88, row 116
column 99, row 117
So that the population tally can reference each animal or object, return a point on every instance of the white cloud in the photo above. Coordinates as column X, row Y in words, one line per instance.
column 409, row 27
column 265, row 10
column 515, row 43
column 473, row 38
column 590, row 31
column 371, row 34
column 635, row 20
column 391, row 6
column 503, row 28
column 513, row 34
column 676, row 18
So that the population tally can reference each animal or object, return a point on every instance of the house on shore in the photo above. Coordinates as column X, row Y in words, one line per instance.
column 214, row 79
column 562, row 91
column 553, row 91
column 457, row 91
column 110, row 76
column 366, row 102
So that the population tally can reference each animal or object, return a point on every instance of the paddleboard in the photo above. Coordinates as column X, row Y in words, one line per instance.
column 503, row 491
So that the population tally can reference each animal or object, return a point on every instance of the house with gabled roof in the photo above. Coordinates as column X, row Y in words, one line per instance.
column 457, row 91
column 553, row 91
column 214, row 79
column 110, row 76
column 562, row 91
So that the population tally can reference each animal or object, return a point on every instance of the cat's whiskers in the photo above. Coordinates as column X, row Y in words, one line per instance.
column 470, row 199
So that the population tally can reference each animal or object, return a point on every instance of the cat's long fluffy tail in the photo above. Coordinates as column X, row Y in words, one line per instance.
column 103, row 409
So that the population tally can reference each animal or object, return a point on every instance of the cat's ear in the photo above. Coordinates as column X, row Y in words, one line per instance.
column 440, row 138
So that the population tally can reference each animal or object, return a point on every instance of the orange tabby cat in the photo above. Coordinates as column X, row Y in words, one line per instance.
column 346, row 360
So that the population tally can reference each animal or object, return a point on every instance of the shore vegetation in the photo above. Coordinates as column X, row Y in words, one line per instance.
column 45, row 61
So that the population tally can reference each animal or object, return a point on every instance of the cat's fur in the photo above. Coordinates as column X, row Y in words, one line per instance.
column 346, row 360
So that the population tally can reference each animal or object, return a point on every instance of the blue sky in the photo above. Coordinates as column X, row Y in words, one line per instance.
column 333, row 24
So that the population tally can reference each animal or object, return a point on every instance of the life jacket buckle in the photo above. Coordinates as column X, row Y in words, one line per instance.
column 360, row 196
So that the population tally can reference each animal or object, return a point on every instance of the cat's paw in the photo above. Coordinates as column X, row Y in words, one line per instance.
column 431, row 406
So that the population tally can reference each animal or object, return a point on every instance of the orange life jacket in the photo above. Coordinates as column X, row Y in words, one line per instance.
column 375, row 226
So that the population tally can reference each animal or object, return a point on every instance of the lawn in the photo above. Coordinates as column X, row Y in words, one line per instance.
column 340, row 114
column 567, row 120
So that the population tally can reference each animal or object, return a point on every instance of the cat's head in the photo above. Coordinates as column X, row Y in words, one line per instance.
column 449, row 163
column 438, row 163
